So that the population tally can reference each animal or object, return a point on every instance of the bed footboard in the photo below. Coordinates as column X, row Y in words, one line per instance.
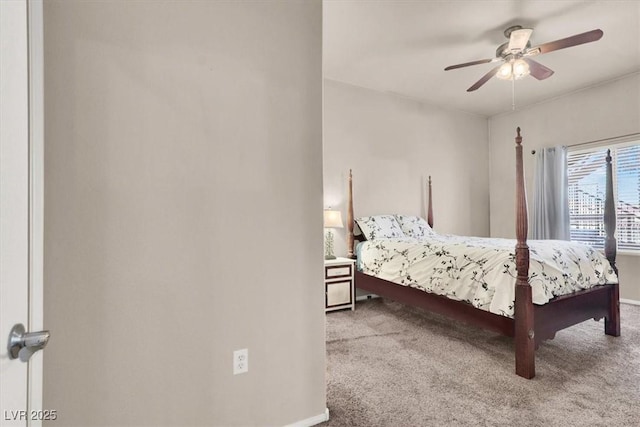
column 569, row 310
column 535, row 324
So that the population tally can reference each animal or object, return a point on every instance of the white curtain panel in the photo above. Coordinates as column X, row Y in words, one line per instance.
column 550, row 195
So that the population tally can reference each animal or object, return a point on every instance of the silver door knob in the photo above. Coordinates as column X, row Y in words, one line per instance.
column 23, row 344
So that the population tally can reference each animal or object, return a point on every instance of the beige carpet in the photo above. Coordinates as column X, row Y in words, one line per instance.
column 391, row 365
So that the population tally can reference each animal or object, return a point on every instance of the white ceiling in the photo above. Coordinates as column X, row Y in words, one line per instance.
column 403, row 47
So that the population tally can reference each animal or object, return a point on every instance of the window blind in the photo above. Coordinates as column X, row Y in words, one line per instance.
column 587, row 181
column 627, row 164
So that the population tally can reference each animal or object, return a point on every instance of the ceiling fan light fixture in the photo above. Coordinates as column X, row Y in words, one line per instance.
column 520, row 69
column 505, row 71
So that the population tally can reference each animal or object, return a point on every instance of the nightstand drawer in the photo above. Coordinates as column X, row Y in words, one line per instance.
column 338, row 293
column 337, row 271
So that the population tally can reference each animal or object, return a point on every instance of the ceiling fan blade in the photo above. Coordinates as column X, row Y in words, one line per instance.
column 468, row 64
column 578, row 39
column 538, row 70
column 484, row 79
column 519, row 39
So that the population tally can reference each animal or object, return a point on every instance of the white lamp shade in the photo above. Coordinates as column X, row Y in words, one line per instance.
column 505, row 71
column 520, row 69
column 332, row 219
column 513, row 70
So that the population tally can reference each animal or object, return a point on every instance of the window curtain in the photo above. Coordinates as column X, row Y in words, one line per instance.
column 550, row 195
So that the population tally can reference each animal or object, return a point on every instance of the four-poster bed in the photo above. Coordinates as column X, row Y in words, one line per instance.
column 531, row 323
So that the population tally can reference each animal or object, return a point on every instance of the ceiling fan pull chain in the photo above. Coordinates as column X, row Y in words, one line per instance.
column 513, row 94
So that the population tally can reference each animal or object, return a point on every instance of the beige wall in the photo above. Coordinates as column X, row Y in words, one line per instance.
column 604, row 111
column 393, row 144
column 183, row 212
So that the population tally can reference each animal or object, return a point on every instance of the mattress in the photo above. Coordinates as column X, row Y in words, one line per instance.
column 482, row 271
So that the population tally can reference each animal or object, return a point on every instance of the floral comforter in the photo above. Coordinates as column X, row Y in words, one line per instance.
column 482, row 271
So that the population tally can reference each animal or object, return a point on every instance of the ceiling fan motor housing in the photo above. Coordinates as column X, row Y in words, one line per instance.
column 503, row 50
column 511, row 29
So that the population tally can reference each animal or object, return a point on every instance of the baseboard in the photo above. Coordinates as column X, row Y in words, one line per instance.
column 629, row 301
column 312, row 421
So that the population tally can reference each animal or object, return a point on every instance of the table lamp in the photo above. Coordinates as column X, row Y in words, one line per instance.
column 332, row 219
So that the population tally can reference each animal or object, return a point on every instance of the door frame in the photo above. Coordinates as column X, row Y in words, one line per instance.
column 25, row 144
column 35, row 45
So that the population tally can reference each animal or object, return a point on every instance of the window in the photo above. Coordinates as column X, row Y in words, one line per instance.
column 587, row 178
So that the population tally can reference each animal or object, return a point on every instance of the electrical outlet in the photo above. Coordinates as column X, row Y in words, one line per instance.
column 240, row 361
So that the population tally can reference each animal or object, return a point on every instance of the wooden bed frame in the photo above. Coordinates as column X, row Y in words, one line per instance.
column 531, row 324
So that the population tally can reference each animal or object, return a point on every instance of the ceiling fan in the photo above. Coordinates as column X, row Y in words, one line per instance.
column 516, row 54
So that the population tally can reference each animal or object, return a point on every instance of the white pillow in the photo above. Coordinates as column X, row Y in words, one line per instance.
column 414, row 226
column 379, row 227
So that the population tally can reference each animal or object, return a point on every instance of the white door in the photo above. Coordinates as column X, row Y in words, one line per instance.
column 21, row 172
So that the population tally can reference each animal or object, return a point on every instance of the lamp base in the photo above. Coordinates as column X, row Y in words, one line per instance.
column 328, row 243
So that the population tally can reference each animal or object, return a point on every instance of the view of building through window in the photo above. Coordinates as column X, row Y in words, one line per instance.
column 587, row 178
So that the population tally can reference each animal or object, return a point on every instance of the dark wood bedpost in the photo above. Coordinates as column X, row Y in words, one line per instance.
column 350, row 217
column 524, row 326
column 610, row 244
column 612, row 321
column 429, row 205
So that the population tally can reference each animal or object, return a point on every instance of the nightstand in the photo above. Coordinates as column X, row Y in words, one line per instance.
column 339, row 288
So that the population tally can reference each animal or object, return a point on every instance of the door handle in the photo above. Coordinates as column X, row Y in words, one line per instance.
column 23, row 344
